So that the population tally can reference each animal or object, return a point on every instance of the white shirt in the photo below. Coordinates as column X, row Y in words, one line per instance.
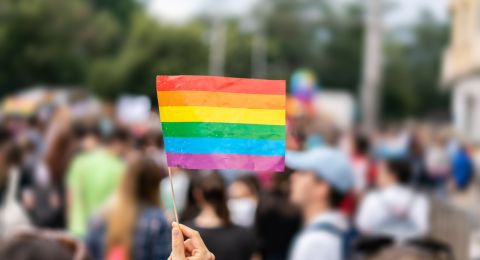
column 313, row 243
column 395, row 211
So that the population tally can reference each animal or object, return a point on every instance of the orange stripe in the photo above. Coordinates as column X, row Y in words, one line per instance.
column 220, row 99
column 221, row 84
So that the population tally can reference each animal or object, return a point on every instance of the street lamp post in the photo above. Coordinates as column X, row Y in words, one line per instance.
column 372, row 65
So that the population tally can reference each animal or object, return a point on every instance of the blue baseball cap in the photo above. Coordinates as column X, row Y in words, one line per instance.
column 329, row 164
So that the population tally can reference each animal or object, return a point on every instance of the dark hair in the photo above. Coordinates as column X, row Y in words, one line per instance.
column 119, row 134
column 251, row 181
column 332, row 136
column 83, row 129
column 19, row 248
column 400, row 169
column 361, row 143
column 415, row 147
column 59, row 153
column 212, row 189
column 335, row 198
column 5, row 135
column 13, row 154
column 281, row 183
column 140, row 186
column 191, row 209
column 141, row 181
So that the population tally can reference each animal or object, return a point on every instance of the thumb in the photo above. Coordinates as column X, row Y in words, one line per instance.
column 178, row 249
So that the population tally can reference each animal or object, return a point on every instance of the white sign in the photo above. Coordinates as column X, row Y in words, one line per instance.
column 133, row 109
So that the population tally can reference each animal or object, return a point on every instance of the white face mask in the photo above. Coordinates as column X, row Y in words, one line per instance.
column 242, row 211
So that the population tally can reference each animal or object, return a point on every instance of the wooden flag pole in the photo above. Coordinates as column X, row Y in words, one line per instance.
column 173, row 195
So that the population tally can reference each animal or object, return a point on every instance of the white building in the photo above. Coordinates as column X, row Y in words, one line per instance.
column 461, row 67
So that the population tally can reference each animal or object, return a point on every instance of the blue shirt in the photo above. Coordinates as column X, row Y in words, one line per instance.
column 151, row 239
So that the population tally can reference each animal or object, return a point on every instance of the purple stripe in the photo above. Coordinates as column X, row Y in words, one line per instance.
column 226, row 161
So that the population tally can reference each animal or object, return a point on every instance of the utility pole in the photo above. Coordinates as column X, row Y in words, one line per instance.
column 259, row 18
column 372, row 65
column 218, row 43
column 259, row 54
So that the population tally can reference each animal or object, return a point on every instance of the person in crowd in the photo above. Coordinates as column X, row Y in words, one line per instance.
column 395, row 210
column 463, row 169
column 45, row 196
column 191, row 208
column 243, row 199
column 154, row 147
column 12, row 215
column 416, row 158
column 437, row 160
column 277, row 220
column 322, row 178
column 133, row 226
column 192, row 249
column 7, row 152
column 222, row 237
column 11, row 156
column 361, row 162
column 93, row 176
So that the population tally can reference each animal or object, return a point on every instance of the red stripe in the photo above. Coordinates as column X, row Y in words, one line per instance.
column 221, row 84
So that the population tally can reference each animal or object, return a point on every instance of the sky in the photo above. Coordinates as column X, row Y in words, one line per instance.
column 404, row 12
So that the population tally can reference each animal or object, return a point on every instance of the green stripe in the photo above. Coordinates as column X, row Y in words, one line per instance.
column 223, row 130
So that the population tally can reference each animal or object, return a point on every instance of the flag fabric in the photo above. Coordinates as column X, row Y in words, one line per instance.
column 213, row 122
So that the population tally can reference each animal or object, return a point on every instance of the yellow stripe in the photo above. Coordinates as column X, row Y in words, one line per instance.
column 223, row 115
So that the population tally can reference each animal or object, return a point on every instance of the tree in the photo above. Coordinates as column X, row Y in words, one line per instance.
column 150, row 49
column 50, row 42
column 120, row 9
column 316, row 35
column 412, row 70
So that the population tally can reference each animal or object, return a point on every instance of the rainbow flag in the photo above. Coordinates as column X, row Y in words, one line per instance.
column 223, row 123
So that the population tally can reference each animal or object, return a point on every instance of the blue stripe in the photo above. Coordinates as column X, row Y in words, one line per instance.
column 224, row 146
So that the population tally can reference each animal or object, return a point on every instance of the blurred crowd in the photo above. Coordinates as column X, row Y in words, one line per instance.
column 77, row 183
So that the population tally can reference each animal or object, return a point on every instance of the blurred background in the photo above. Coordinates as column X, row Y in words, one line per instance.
column 78, row 76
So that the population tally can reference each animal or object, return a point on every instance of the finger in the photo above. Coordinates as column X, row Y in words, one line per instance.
column 178, row 250
column 189, row 247
column 201, row 255
column 211, row 256
column 193, row 235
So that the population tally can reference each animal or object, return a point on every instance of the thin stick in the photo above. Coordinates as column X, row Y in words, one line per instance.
column 173, row 195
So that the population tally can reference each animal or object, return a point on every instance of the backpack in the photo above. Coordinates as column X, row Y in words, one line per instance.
column 347, row 237
column 12, row 214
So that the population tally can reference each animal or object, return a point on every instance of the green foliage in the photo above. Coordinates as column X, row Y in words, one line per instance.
column 313, row 34
column 329, row 40
column 113, row 47
column 121, row 9
column 239, row 52
column 412, row 71
column 150, row 49
column 50, row 42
